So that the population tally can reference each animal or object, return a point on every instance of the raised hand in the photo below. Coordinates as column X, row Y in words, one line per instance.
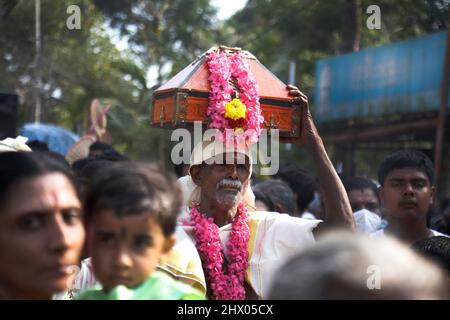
column 309, row 136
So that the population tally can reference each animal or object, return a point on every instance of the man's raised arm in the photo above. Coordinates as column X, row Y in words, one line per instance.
column 338, row 212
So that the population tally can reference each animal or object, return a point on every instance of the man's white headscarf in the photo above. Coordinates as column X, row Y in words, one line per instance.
column 204, row 151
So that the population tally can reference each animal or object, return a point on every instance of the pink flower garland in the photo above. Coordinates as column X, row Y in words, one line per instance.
column 225, row 284
column 222, row 68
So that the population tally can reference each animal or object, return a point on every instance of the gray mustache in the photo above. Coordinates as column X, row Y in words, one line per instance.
column 229, row 183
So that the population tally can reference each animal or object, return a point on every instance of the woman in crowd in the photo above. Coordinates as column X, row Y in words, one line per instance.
column 41, row 230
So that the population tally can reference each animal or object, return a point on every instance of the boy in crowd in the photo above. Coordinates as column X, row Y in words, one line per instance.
column 131, row 217
column 406, row 180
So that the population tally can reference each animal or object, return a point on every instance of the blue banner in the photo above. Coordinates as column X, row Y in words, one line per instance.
column 395, row 79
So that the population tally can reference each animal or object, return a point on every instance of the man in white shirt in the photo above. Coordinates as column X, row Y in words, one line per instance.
column 220, row 188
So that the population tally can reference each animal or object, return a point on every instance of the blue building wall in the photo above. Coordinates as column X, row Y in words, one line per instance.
column 399, row 78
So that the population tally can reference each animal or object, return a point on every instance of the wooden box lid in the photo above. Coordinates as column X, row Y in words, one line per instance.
column 195, row 77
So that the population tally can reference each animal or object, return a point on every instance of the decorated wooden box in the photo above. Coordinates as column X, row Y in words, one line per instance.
column 184, row 98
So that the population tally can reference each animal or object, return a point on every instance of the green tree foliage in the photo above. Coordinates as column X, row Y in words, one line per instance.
column 164, row 36
column 167, row 34
column 278, row 31
column 304, row 31
column 77, row 66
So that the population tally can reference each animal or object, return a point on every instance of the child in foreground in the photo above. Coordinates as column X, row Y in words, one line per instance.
column 131, row 213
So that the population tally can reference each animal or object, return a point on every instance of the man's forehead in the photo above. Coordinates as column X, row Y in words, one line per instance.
column 362, row 193
column 407, row 174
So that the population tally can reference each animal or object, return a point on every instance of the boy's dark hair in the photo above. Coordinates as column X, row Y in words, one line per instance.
column 301, row 182
column 279, row 193
column 86, row 175
column 132, row 188
column 111, row 155
column 57, row 157
column 261, row 196
column 407, row 158
column 436, row 249
column 16, row 166
column 79, row 165
column 107, row 152
column 360, row 183
column 98, row 145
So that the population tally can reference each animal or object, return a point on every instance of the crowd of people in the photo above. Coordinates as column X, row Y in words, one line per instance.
column 106, row 227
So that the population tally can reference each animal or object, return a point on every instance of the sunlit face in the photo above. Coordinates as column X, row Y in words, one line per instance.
column 364, row 199
column 406, row 192
column 222, row 185
column 41, row 237
column 126, row 250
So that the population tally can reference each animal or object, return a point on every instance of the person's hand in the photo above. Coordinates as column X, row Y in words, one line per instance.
column 308, row 135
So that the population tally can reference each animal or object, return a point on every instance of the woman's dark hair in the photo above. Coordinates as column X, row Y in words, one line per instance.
column 132, row 188
column 16, row 166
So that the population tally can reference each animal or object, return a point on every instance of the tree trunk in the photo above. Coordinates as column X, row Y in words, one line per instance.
column 351, row 31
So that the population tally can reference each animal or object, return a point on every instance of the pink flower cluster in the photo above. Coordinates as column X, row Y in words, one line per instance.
column 225, row 283
column 222, row 68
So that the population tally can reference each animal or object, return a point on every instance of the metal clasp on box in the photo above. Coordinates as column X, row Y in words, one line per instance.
column 181, row 104
column 273, row 124
column 295, row 121
column 161, row 117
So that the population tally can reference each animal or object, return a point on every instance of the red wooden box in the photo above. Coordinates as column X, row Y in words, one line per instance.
column 184, row 98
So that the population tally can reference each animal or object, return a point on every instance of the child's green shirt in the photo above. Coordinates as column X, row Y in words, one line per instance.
column 159, row 286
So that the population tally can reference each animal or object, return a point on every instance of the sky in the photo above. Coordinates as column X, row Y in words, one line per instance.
column 227, row 7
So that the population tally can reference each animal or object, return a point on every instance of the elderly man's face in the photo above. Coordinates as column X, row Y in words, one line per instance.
column 223, row 184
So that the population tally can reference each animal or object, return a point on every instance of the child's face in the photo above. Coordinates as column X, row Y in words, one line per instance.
column 126, row 250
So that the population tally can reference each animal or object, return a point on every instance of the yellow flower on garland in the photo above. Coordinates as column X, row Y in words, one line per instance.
column 235, row 110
